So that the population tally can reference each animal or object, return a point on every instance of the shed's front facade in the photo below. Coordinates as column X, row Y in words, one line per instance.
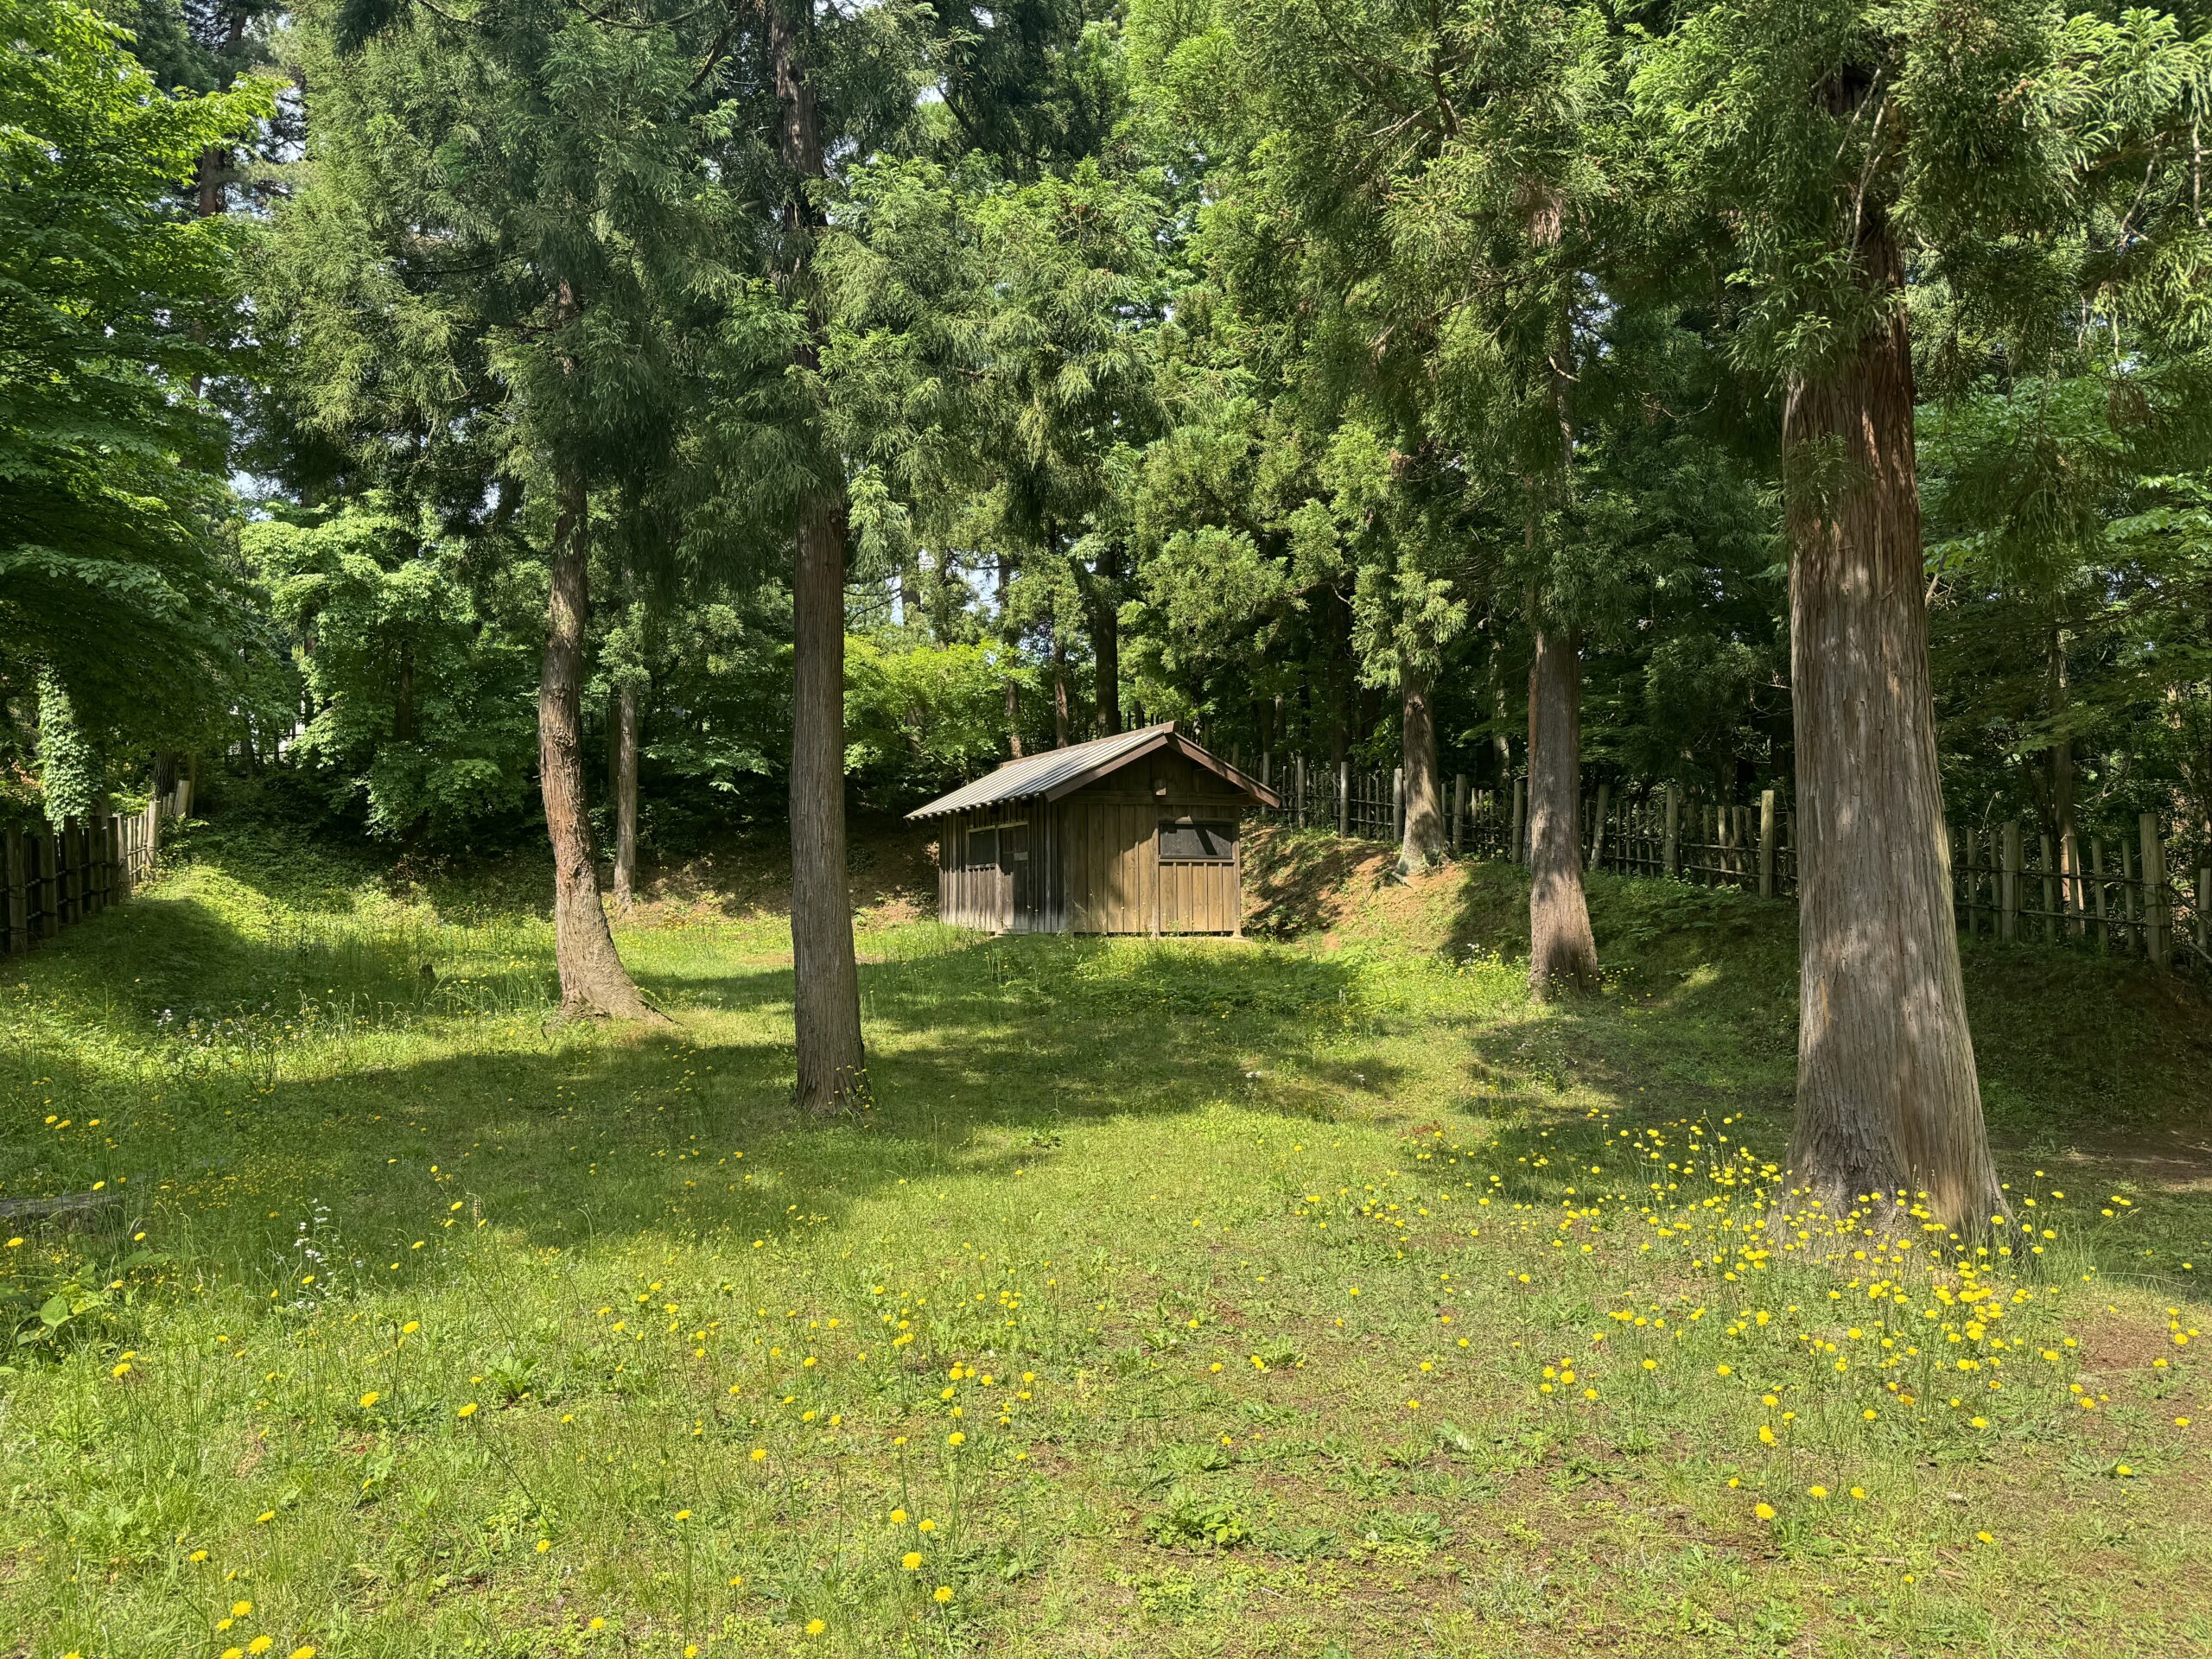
column 1138, row 833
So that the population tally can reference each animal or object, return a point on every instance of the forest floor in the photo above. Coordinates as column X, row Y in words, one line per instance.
column 1315, row 1295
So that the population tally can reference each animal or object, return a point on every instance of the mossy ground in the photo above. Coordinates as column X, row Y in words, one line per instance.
column 1312, row 1295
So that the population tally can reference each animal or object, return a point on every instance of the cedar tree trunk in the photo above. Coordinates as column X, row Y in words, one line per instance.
column 1562, row 952
column 1887, row 1098
column 832, row 1063
column 1422, row 843
column 826, row 990
column 592, row 979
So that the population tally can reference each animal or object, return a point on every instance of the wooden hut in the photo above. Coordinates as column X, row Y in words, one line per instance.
column 1138, row 833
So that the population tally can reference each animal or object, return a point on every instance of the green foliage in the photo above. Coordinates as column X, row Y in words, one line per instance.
column 423, row 692
column 113, row 503
column 69, row 772
column 921, row 718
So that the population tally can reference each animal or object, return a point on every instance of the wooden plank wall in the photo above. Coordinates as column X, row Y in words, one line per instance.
column 1093, row 863
column 54, row 878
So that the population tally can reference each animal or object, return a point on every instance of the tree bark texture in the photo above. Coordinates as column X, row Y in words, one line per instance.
column 1106, row 643
column 1887, row 1097
column 1060, row 717
column 625, row 797
column 1422, row 841
column 826, row 993
column 832, row 1063
column 592, row 979
column 1562, row 951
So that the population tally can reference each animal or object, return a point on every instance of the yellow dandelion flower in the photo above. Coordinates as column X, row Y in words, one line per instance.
column 944, row 1593
column 468, row 1410
column 1764, row 1511
column 911, row 1560
column 370, row 1399
column 816, row 1626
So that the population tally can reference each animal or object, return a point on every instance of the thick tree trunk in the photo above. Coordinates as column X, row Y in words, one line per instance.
column 832, row 1063
column 1060, row 717
column 826, row 994
column 1422, row 843
column 592, row 979
column 625, row 797
column 1888, row 1103
column 1106, row 642
column 1562, row 951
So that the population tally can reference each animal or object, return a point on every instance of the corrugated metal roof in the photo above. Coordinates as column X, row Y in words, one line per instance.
column 1038, row 774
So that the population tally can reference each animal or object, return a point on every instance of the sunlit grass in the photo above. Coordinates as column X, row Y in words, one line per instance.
column 1171, row 1299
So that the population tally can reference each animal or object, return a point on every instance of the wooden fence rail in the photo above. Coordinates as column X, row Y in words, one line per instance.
column 54, row 879
column 2132, row 896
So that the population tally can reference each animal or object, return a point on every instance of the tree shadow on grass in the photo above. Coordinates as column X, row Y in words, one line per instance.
column 985, row 1051
column 2100, row 1064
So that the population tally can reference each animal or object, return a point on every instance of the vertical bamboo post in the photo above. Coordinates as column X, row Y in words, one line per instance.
column 2049, row 890
column 1970, row 883
column 15, row 900
column 2128, row 894
column 2154, row 888
column 2008, row 883
column 1458, row 811
column 1344, row 798
column 1673, row 853
column 1521, row 820
column 50, row 886
column 1597, row 825
column 1768, row 826
column 1298, row 792
column 1397, row 803
column 2104, row 921
column 2071, row 879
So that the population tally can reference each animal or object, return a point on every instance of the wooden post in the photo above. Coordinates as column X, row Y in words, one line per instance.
column 1521, row 820
column 2104, row 923
column 1598, row 826
column 1298, row 792
column 1397, row 804
column 1673, row 847
column 2008, row 883
column 2155, row 931
column 1768, row 829
column 1459, row 811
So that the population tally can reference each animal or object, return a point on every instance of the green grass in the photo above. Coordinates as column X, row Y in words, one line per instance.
column 1251, row 1277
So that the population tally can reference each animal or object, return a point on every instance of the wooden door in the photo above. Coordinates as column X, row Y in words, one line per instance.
column 1017, row 894
column 1197, row 874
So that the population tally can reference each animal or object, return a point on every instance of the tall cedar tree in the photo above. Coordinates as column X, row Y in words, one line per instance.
column 498, row 264
column 1829, row 145
column 825, row 994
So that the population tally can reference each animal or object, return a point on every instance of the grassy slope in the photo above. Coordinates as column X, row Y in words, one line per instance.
column 1262, row 1267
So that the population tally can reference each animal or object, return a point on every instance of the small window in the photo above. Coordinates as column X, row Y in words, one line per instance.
column 1187, row 842
column 983, row 848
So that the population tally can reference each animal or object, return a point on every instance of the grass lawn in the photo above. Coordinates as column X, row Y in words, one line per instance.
column 1311, row 1296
